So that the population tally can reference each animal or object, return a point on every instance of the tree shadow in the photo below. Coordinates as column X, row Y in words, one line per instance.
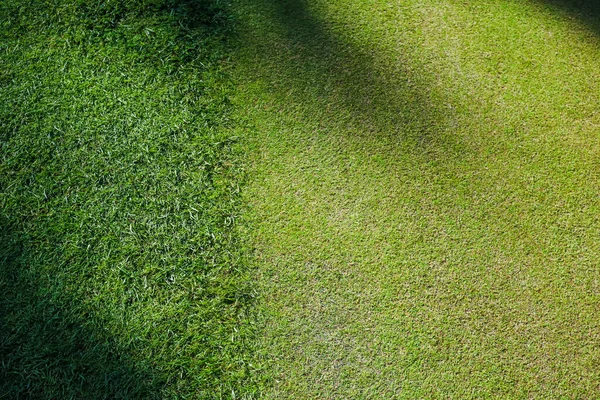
column 588, row 11
column 47, row 349
column 50, row 345
column 320, row 63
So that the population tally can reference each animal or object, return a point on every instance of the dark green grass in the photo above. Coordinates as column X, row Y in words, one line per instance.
column 121, row 275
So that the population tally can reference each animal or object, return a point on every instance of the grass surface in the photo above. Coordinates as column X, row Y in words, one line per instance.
column 425, row 195
column 122, row 275
column 423, row 199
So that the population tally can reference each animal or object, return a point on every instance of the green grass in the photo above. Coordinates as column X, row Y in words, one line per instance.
column 122, row 273
column 410, row 186
column 424, row 196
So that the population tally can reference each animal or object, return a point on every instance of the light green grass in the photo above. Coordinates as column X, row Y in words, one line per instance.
column 425, row 195
column 121, row 272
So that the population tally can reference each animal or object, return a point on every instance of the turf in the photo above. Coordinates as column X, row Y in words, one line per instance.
column 424, row 196
column 122, row 273
column 411, row 187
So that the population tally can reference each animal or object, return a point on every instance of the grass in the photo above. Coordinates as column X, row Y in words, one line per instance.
column 424, row 195
column 123, row 275
column 418, row 181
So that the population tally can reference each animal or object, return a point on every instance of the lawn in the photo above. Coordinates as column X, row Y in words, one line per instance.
column 425, row 195
column 303, row 199
column 122, row 273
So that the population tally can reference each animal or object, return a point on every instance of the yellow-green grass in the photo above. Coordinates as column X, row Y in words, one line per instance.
column 424, row 196
column 121, row 271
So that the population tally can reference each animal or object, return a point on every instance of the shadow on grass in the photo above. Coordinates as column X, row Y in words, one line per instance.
column 48, row 349
column 321, row 64
column 588, row 11
column 51, row 345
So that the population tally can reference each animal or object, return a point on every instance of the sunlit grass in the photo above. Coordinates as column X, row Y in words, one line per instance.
column 425, row 197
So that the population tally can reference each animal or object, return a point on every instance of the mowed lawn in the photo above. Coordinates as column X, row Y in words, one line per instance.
column 122, row 275
column 425, row 196
column 299, row 199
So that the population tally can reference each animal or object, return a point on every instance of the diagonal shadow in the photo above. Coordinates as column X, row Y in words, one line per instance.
column 391, row 99
column 588, row 11
column 46, row 348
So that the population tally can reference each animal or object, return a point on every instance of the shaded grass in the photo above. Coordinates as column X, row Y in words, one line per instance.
column 587, row 11
column 123, row 275
column 425, row 197
column 333, row 64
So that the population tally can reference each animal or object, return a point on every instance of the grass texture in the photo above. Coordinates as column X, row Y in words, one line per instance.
column 122, row 274
column 425, row 196
column 420, row 188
